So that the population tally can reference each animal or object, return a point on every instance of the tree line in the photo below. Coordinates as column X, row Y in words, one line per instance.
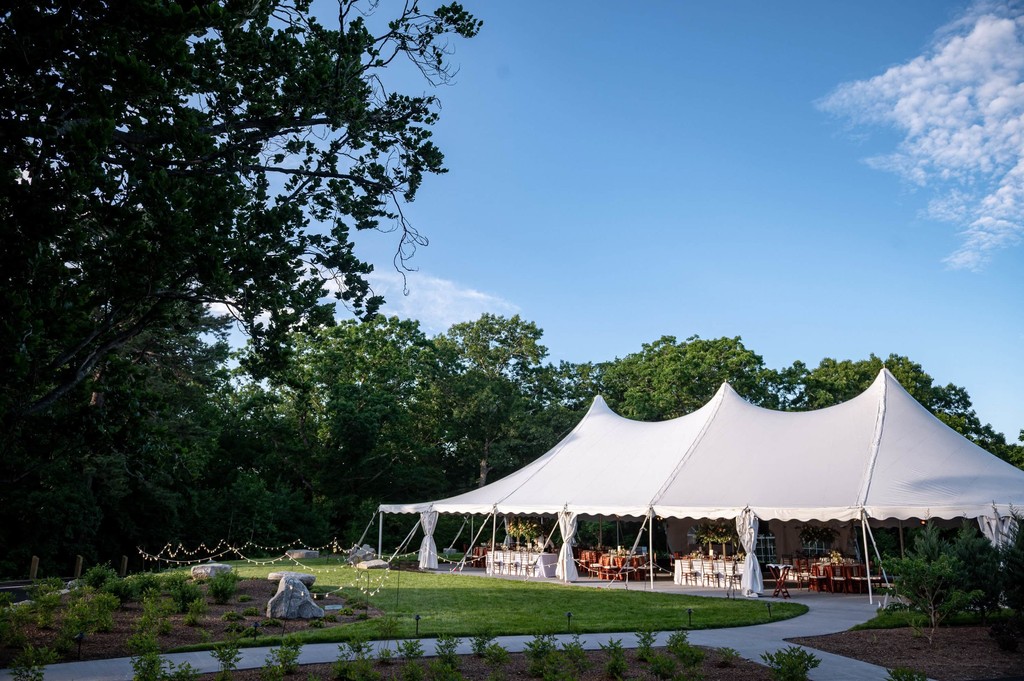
column 173, row 444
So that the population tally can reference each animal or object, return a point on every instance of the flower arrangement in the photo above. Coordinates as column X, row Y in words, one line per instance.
column 715, row 533
column 523, row 529
column 835, row 557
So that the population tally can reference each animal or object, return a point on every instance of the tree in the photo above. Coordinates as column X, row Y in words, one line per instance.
column 162, row 156
column 667, row 379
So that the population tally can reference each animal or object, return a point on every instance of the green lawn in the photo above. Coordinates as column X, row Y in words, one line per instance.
column 466, row 605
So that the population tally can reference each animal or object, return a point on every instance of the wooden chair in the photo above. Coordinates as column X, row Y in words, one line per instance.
column 837, row 578
column 819, row 578
column 858, row 579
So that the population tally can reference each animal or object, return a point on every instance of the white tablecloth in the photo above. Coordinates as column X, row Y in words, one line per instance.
column 522, row 563
column 717, row 568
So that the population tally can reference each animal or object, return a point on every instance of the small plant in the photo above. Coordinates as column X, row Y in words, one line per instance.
column 244, row 598
column 410, row 649
column 28, row 665
column 644, row 645
column 285, row 657
column 480, row 643
column 227, row 654
column 411, row 671
column 790, row 664
column 354, row 663
column 662, row 666
column 231, row 616
column 222, row 587
column 447, row 650
column 679, row 645
column 438, row 670
column 251, row 611
column 317, row 623
column 45, row 595
column 182, row 590
column 905, row 674
column 387, row 627
column 728, row 657
column 156, row 612
column 385, row 656
column 575, row 657
column 616, row 666
column 196, row 612
column 495, row 655
column 537, row 653
column 98, row 575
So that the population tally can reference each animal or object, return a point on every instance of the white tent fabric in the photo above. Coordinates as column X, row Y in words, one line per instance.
column 996, row 529
column 566, row 568
column 428, row 550
column 751, row 583
column 881, row 453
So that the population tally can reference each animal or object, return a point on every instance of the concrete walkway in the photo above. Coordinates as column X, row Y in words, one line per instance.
column 827, row 614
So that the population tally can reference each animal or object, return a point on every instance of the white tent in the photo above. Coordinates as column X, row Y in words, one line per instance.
column 879, row 455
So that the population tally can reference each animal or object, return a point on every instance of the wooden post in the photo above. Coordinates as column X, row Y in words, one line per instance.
column 124, row 565
column 78, row 567
column 33, row 569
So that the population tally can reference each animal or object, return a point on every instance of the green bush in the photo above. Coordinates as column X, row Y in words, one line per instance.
column 662, row 666
column 574, row 656
column 446, row 650
column 728, row 657
column 196, row 611
column 537, row 653
column 227, row 654
column 98, row 575
column 644, row 645
column 182, row 590
column 231, row 616
column 481, row 642
column 223, row 586
column 410, row 649
column 46, row 600
column 790, row 664
column 616, row 665
column 251, row 611
column 286, row 656
column 28, row 665
column 690, row 656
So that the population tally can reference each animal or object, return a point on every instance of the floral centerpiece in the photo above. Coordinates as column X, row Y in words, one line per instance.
column 524, row 530
column 835, row 557
column 715, row 533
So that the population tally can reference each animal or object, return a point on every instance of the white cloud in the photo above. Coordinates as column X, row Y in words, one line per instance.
column 960, row 108
column 436, row 303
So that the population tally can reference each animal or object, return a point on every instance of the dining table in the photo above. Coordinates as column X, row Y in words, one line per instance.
column 780, row 573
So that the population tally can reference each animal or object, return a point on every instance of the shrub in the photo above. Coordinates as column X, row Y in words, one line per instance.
column 616, row 666
column 244, row 598
column 222, row 587
column 446, row 650
column 227, row 654
column 231, row 616
column 387, row 627
column 46, row 600
column 679, row 645
column 411, row 671
column 537, row 653
column 644, row 645
column 662, row 666
column 438, row 670
column 98, row 575
column 480, row 643
column 251, row 611
column 410, row 649
column 135, row 587
column 28, row 665
column 727, row 657
column 155, row 613
column 790, row 664
column 575, row 657
column 182, row 590
column 286, row 656
column 196, row 612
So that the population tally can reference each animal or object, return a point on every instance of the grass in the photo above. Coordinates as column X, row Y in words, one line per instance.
column 897, row 619
column 464, row 605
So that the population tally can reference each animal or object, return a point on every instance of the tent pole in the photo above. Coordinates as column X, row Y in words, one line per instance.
column 650, row 545
column 494, row 532
column 380, row 535
column 867, row 558
column 600, row 532
column 902, row 555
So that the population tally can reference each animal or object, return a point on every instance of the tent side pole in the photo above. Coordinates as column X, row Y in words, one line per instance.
column 650, row 545
column 494, row 532
column 380, row 535
column 867, row 557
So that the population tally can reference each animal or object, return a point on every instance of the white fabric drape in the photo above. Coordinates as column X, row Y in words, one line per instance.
column 566, row 569
column 428, row 550
column 751, row 583
column 996, row 528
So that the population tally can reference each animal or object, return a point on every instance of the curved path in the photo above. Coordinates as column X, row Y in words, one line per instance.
column 827, row 614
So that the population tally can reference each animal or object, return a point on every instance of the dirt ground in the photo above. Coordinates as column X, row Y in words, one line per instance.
column 956, row 654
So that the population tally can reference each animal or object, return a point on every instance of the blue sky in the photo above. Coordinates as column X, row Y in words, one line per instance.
column 821, row 179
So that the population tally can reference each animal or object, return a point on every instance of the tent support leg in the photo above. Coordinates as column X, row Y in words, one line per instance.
column 494, row 532
column 380, row 535
column 650, row 545
column 867, row 558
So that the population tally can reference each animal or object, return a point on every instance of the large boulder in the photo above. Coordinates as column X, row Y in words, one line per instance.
column 298, row 554
column 372, row 565
column 208, row 570
column 293, row 602
column 303, row 577
column 360, row 553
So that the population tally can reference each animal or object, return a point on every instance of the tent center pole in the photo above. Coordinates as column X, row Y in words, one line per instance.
column 380, row 535
column 867, row 558
column 650, row 544
column 494, row 532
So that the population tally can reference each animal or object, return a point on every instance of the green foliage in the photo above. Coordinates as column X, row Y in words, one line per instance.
column 387, row 627
column 28, row 664
column 905, row 674
column 1012, row 556
column 446, row 650
column 98, row 576
column 679, row 645
column 981, row 571
column 196, row 611
column 222, row 586
column 538, row 650
column 182, row 590
column 662, row 666
column 574, row 657
column 495, row 655
column 616, row 665
column 156, row 612
column 251, row 611
column 354, row 662
column 929, row 579
column 46, row 601
column 481, row 642
column 13, row 620
column 728, row 657
column 412, row 670
column 284, row 659
column 438, row 670
column 644, row 644
column 244, row 598
column 88, row 611
column 232, row 616
column 790, row 664
column 410, row 649
column 227, row 654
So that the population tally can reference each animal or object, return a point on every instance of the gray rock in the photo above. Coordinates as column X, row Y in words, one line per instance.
column 372, row 565
column 207, row 570
column 303, row 577
column 293, row 602
column 296, row 554
column 360, row 553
